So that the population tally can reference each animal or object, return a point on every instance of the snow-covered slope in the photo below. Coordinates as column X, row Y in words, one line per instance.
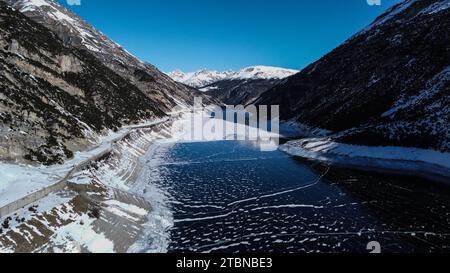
column 199, row 78
column 205, row 77
column 263, row 72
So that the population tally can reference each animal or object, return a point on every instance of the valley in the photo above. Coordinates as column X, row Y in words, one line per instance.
column 99, row 150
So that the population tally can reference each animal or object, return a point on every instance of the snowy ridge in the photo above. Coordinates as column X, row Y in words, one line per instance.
column 396, row 10
column 263, row 72
column 30, row 5
column 34, row 5
column 386, row 17
column 200, row 78
column 205, row 77
column 436, row 7
column 92, row 39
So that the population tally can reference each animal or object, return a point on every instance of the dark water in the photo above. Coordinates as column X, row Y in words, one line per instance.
column 231, row 197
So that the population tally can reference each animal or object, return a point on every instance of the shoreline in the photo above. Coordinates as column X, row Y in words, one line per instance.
column 65, row 172
column 389, row 160
column 125, row 170
column 155, row 237
column 119, row 184
column 103, row 182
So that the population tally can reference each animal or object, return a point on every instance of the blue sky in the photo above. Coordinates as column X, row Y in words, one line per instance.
column 229, row 34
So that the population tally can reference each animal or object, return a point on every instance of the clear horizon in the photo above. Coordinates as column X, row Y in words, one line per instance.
column 229, row 35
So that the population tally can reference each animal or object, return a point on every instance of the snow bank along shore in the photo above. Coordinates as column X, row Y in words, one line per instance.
column 426, row 163
column 111, row 205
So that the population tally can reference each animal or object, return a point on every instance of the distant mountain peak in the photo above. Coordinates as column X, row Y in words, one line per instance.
column 204, row 77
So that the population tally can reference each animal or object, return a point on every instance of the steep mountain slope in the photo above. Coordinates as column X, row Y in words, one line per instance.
column 55, row 99
column 74, row 31
column 234, row 87
column 387, row 85
column 239, row 92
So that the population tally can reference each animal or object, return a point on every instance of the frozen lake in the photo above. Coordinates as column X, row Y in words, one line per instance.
column 228, row 196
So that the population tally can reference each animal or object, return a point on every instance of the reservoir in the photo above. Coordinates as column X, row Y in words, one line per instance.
column 229, row 196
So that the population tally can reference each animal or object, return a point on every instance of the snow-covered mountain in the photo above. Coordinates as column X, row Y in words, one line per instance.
column 76, row 32
column 199, row 78
column 205, row 77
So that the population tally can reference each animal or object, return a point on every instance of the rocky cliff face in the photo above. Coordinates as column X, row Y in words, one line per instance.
column 75, row 32
column 387, row 85
column 54, row 98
